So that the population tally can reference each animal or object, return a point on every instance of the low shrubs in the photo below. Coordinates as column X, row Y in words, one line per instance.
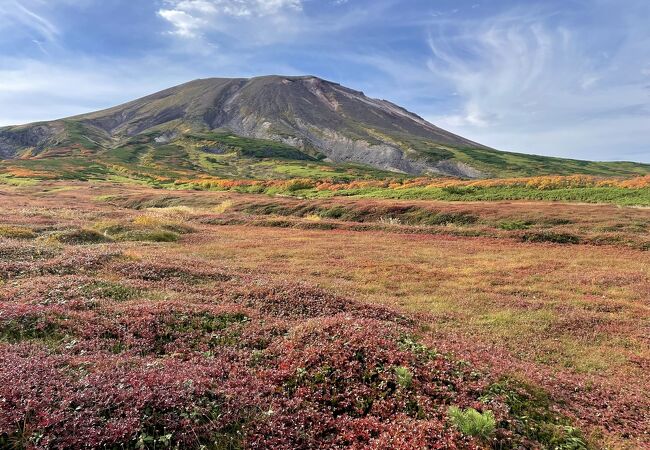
column 533, row 417
column 404, row 377
column 432, row 218
column 56, row 402
column 29, row 326
column 74, row 292
column 473, row 423
column 511, row 225
column 177, row 354
column 80, row 237
column 549, row 236
column 393, row 215
column 13, row 251
column 170, row 273
column 347, row 383
column 148, row 236
column 16, row 232
column 145, row 228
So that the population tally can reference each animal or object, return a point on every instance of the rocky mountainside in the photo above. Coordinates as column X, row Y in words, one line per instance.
column 321, row 120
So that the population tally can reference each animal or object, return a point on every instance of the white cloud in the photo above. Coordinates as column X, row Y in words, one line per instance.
column 185, row 25
column 191, row 18
column 45, row 91
column 22, row 16
column 529, row 84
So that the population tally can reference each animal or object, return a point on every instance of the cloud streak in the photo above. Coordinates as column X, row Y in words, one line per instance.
column 16, row 15
column 526, row 81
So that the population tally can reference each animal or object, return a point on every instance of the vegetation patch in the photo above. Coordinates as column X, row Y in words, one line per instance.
column 547, row 236
column 473, row 423
column 510, row 225
column 30, row 327
column 248, row 147
column 393, row 215
column 16, row 232
column 534, row 417
column 79, row 237
column 194, row 346
column 15, row 252
column 148, row 236
column 144, row 228
column 109, row 290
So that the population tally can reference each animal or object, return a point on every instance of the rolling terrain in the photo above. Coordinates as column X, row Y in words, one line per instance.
column 265, row 128
column 137, row 318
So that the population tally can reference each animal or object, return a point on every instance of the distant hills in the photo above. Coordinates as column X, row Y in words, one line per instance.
column 266, row 127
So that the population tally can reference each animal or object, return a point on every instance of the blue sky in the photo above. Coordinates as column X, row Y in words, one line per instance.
column 555, row 77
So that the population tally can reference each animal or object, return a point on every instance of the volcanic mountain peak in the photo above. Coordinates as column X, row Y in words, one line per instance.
column 319, row 119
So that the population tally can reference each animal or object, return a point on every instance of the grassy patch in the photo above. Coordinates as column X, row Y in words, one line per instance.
column 407, row 215
column 404, row 376
column 535, row 417
column 549, row 236
column 15, row 181
column 148, row 236
column 618, row 196
column 249, row 147
column 110, row 290
column 145, row 228
column 16, row 232
column 511, row 225
column 470, row 422
column 79, row 237
column 29, row 328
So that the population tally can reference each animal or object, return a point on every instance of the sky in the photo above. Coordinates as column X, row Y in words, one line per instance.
column 564, row 78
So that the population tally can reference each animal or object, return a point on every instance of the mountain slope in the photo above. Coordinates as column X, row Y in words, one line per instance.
column 312, row 120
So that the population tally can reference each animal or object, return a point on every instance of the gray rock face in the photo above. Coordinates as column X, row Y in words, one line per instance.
column 305, row 112
column 36, row 136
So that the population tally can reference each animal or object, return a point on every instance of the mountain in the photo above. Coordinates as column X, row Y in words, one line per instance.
column 264, row 127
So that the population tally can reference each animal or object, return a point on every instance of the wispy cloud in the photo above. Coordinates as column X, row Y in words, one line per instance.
column 192, row 18
column 15, row 14
column 527, row 81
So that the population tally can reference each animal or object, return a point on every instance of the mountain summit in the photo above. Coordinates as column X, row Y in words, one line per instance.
column 320, row 120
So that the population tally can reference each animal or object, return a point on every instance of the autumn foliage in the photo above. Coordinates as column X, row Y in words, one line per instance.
column 103, row 351
column 208, row 342
column 539, row 183
column 94, row 357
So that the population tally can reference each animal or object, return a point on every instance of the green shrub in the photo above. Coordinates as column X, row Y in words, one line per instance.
column 432, row 218
column 335, row 212
column 82, row 236
column 316, row 226
column 15, row 232
column 144, row 229
column 459, row 190
column 548, row 236
column 110, row 290
column 29, row 328
column 554, row 221
column 148, row 236
column 533, row 415
column 451, row 218
column 470, row 422
column 511, row 225
column 404, row 377
column 298, row 185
